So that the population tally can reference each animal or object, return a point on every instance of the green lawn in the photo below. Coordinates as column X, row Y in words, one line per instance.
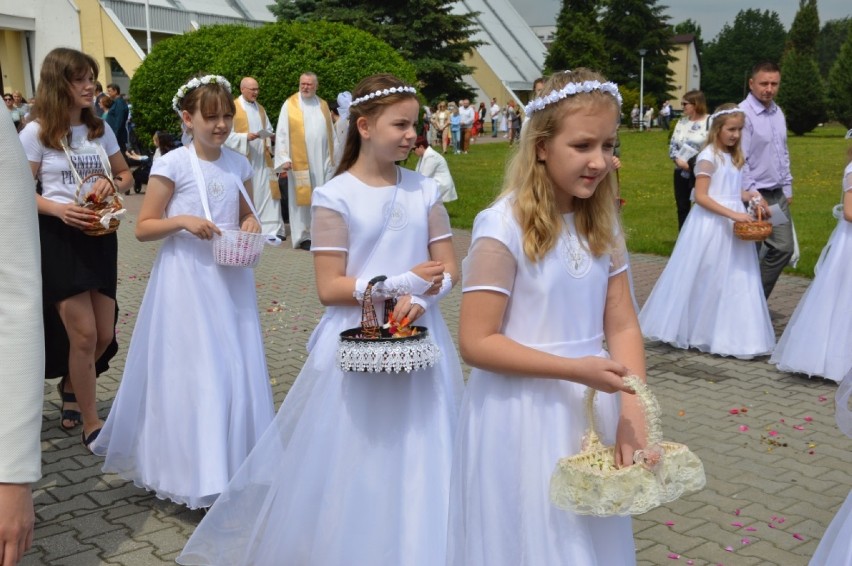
column 817, row 160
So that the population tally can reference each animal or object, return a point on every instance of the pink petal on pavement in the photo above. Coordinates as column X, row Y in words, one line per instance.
column 797, row 536
column 736, row 524
column 734, row 411
column 773, row 433
column 669, row 523
column 750, row 529
column 729, row 549
column 743, row 428
column 746, row 541
column 808, row 419
column 674, row 556
column 798, row 427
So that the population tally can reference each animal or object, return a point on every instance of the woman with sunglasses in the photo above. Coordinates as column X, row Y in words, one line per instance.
column 13, row 110
column 690, row 135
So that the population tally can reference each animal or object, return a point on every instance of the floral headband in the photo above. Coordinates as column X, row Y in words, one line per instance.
column 572, row 89
column 718, row 113
column 383, row 92
column 194, row 84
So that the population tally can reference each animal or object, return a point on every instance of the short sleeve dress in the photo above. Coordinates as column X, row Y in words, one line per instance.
column 513, row 429
column 71, row 261
column 818, row 338
column 195, row 395
column 709, row 296
column 355, row 468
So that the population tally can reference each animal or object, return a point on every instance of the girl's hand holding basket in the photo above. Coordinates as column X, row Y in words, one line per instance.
column 200, row 227
column 250, row 224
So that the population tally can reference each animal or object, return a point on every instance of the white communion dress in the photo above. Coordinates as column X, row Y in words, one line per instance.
column 195, row 395
column 709, row 295
column 514, row 428
column 355, row 468
column 818, row 338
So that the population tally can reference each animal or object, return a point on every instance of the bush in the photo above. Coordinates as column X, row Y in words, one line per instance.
column 275, row 54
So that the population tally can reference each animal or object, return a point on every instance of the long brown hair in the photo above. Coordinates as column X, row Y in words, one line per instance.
column 60, row 68
column 368, row 109
column 527, row 180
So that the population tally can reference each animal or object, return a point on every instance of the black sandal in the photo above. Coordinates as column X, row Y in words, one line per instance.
column 68, row 414
column 91, row 438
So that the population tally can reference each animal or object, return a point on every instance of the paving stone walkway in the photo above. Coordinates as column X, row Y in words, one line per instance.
column 771, row 489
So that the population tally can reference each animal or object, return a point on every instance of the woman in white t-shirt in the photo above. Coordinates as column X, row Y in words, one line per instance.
column 79, row 272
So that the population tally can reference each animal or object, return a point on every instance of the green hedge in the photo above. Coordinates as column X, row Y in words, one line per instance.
column 275, row 54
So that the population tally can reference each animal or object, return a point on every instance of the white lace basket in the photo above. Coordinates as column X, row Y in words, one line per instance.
column 238, row 249
column 588, row 483
column 370, row 347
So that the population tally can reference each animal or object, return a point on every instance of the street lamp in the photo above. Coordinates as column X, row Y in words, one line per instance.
column 642, row 88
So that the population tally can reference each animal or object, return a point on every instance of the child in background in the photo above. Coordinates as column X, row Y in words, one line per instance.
column 709, row 296
column 551, row 246
column 818, row 338
column 355, row 469
column 195, row 396
column 455, row 128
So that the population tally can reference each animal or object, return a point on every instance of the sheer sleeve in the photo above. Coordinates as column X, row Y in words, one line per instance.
column 705, row 167
column 328, row 230
column 439, row 223
column 618, row 256
column 489, row 266
column 847, row 180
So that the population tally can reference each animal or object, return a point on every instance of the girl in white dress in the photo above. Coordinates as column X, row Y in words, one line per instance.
column 818, row 338
column 195, row 396
column 709, row 295
column 355, row 469
column 835, row 548
column 545, row 284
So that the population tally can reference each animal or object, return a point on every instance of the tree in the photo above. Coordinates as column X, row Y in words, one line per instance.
column 805, row 29
column 690, row 26
column 274, row 54
column 840, row 85
column 802, row 95
column 629, row 25
column 427, row 33
column 727, row 60
column 831, row 38
column 579, row 41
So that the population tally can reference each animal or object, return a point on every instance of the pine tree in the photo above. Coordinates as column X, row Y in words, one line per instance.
column 840, row 85
column 579, row 41
column 802, row 95
column 428, row 33
column 831, row 38
column 690, row 26
column 630, row 25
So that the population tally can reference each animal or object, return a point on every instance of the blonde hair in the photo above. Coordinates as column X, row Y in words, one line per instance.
column 527, row 180
column 729, row 111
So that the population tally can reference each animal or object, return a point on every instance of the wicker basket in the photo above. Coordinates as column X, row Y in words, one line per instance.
column 371, row 348
column 109, row 206
column 588, row 483
column 755, row 231
column 235, row 248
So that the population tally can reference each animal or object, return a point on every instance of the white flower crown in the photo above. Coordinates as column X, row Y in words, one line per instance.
column 718, row 113
column 195, row 83
column 572, row 89
column 383, row 92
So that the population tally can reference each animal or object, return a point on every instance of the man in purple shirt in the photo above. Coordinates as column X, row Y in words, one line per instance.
column 767, row 169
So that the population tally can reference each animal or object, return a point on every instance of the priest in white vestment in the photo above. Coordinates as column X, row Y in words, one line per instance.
column 250, row 136
column 304, row 141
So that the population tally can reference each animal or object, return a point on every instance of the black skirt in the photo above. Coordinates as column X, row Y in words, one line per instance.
column 73, row 263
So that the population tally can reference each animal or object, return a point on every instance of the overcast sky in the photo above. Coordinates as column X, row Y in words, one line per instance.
column 711, row 15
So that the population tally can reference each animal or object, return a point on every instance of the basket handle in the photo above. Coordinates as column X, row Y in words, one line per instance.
column 369, row 323
column 649, row 403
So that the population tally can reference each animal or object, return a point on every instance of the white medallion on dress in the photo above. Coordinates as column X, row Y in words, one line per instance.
column 215, row 190
column 575, row 257
column 397, row 218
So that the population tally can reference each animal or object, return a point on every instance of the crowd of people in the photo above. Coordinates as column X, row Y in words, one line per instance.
column 414, row 467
